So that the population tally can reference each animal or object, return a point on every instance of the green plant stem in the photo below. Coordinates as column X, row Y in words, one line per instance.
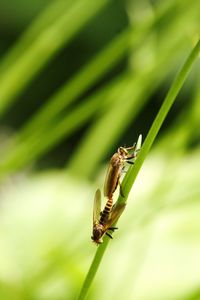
column 93, row 268
column 167, row 104
column 132, row 173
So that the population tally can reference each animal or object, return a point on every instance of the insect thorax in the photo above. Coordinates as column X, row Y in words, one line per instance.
column 117, row 160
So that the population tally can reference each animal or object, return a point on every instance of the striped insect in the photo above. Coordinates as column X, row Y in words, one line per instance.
column 103, row 221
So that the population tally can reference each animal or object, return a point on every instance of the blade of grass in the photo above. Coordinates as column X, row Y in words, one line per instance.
column 39, row 142
column 22, row 151
column 93, row 71
column 26, row 153
column 32, row 148
column 49, row 15
column 167, row 104
column 24, row 147
column 127, row 105
column 125, row 110
column 180, row 136
column 48, row 42
column 59, row 100
column 83, row 80
column 132, row 173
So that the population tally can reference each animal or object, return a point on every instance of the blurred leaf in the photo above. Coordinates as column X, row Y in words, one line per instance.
column 111, row 97
column 46, row 43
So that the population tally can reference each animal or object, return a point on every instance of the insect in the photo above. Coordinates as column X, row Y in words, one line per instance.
column 103, row 221
column 115, row 169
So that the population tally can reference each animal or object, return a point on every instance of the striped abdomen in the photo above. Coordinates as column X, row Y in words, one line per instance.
column 105, row 214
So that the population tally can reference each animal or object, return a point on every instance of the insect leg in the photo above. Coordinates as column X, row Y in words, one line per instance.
column 110, row 236
column 130, row 162
column 131, row 148
column 112, row 228
column 130, row 156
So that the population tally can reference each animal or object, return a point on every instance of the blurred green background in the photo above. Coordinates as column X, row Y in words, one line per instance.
column 77, row 80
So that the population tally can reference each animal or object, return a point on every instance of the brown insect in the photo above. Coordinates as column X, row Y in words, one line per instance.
column 103, row 221
column 115, row 169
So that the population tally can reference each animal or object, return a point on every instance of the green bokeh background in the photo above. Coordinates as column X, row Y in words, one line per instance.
column 77, row 80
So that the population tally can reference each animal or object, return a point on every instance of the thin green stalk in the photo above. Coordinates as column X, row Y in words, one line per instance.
column 132, row 173
column 186, row 134
column 167, row 104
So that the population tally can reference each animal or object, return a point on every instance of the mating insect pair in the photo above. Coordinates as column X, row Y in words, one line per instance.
column 103, row 221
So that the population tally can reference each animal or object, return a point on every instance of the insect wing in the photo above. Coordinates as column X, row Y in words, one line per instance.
column 97, row 206
column 115, row 214
column 108, row 181
column 132, row 147
column 112, row 176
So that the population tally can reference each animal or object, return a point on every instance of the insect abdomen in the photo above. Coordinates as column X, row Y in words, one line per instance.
column 106, row 212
